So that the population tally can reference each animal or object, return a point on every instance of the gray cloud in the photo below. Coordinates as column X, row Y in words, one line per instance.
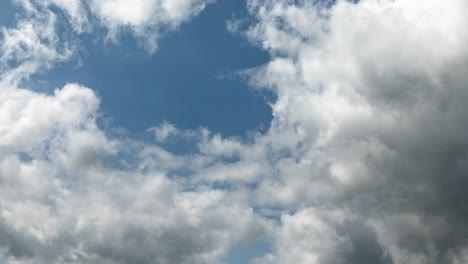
column 377, row 88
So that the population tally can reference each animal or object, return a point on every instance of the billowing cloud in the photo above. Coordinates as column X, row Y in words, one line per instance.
column 64, row 201
column 375, row 93
column 365, row 160
column 143, row 18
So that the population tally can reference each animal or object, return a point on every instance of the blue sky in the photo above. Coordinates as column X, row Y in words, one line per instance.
column 6, row 13
column 190, row 81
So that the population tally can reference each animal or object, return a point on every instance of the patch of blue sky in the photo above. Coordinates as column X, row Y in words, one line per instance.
column 183, row 82
column 7, row 13
column 246, row 253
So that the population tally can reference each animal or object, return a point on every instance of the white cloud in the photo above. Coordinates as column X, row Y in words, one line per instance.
column 164, row 131
column 144, row 18
column 32, row 46
column 370, row 99
column 309, row 236
column 36, row 35
column 64, row 203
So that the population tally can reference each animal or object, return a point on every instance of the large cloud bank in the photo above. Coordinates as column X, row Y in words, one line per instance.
column 365, row 161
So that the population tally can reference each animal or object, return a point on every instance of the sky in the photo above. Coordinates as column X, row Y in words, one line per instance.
column 191, row 81
column 228, row 132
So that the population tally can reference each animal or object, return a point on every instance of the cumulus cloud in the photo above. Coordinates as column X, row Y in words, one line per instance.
column 143, row 18
column 375, row 92
column 365, row 160
column 61, row 201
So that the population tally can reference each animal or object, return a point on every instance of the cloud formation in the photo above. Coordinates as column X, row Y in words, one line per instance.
column 365, row 160
column 144, row 19
column 63, row 201
column 375, row 92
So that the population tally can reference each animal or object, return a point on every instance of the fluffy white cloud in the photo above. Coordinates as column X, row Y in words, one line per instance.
column 61, row 201
column 371, row 107
column 143, row 18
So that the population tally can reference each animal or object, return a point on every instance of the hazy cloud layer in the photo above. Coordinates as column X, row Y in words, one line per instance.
column 365, row 161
